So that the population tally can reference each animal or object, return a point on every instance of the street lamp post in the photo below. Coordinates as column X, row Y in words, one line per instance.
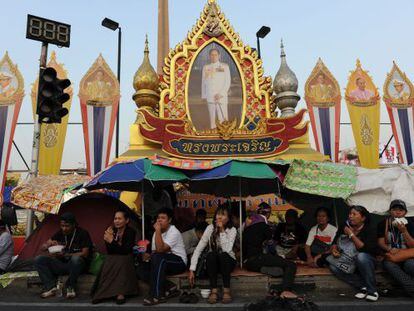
column 112, row 25
column 260, row 34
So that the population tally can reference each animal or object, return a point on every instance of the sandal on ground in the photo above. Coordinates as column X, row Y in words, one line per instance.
column 151, row 301
column 226, row 296
column 213, row 297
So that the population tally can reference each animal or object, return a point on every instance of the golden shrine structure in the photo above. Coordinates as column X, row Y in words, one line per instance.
column 213, row 101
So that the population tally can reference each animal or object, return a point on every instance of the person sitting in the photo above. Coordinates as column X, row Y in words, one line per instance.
column 6, row 247
column 193, row 236
column 255, row 235
column 289, row 235
column 396, row 234
column 219, row 237
column 117, row 277
column 320, row 238
column 73, row 259
column 168, row 257
column 353, row 254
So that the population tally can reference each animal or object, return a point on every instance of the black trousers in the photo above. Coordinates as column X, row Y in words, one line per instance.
column 268, row 260
column 161, row 264
column 221, row 263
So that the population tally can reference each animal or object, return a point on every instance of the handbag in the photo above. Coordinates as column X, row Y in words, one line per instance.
column 319, row 247
column 96, row 263
column 201, row 269
column 346, row 261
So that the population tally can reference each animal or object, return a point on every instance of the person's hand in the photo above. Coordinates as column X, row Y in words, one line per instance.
column 216, row 97
column 402, row 228
column 335, row 252
column 146, row 257
column 348, row 231
column 310, row 261
column 394, row 251
column 191, row 278
column 109, row 235
column 157, row 227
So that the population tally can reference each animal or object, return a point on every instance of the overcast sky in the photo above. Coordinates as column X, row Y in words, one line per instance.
column 339, row 32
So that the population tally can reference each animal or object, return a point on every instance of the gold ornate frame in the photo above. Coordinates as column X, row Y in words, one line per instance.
column 19, row 93
column 388, row 98
column 214, row 27
column 320, row 68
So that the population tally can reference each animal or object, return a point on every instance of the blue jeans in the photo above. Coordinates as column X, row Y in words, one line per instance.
column 363, row 277
column 403, row 273
column 50, row 268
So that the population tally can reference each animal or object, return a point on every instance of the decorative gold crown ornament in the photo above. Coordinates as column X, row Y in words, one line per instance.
column 146, row 83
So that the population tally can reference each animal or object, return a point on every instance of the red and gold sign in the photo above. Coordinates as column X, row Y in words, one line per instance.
column 215, row 101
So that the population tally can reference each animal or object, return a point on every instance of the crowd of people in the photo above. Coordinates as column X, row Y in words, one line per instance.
column 352, row 252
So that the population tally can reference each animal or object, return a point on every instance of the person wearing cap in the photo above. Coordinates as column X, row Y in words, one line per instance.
column 254, row 236
column 6, row 247
column 72, row 260
column 396, row 233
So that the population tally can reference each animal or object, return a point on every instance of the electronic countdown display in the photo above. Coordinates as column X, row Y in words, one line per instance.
column 46, row 30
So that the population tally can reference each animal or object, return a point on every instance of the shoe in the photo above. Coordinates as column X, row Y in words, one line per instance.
column 372, row 297
column 120, row 301
column 70, row 293
column 362, row 294
column 49, row 293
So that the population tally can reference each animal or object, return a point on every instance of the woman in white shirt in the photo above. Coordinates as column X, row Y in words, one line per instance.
column 320, row 239
column 219, row 237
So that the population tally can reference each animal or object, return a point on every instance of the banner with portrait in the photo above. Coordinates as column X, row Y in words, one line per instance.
column 99, row 98
column 11, row 96
column 323, row 99
column 52, row 136
column 362, row 99
column 399, row 100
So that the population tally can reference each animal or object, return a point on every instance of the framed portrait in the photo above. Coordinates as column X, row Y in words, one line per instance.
column 8, row 82
column 215, row 91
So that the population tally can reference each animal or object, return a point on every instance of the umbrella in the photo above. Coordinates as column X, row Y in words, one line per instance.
column 236, row 178
column 130, row 176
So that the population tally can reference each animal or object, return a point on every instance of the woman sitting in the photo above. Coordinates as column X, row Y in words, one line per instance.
column 117, row 277
column 320, row 239
column 219, row 237
column 396, row 239
column 353, row 254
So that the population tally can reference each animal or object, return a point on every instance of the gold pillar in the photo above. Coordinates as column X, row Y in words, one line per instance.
column 163, row 34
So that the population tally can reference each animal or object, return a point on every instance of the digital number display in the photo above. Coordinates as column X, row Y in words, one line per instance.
column 49, row 31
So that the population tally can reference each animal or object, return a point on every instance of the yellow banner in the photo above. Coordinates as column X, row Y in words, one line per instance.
column 364, row 111
column 52, row 136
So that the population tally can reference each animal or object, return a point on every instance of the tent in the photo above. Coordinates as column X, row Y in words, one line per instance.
column 93, row 211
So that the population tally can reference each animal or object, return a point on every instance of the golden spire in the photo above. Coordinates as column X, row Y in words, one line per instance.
column 146, row 82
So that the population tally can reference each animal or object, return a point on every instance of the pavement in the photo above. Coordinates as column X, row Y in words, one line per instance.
column 12, row 299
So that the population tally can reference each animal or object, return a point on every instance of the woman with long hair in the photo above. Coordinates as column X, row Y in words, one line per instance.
column 219, row 237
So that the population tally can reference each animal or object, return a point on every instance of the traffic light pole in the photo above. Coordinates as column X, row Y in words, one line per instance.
column 36, row 140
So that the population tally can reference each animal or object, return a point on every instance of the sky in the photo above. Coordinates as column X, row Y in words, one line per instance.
column 377, row 32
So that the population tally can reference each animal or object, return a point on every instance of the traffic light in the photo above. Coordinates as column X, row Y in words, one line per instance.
column 51, row 97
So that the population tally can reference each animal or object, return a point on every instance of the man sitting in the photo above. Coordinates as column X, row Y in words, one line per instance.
column 168, row 257
column 193, row 236
column 6, row 247
column 72, row 259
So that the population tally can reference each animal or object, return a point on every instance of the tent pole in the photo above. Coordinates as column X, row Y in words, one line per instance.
column 142, row 211
column 241, row 223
